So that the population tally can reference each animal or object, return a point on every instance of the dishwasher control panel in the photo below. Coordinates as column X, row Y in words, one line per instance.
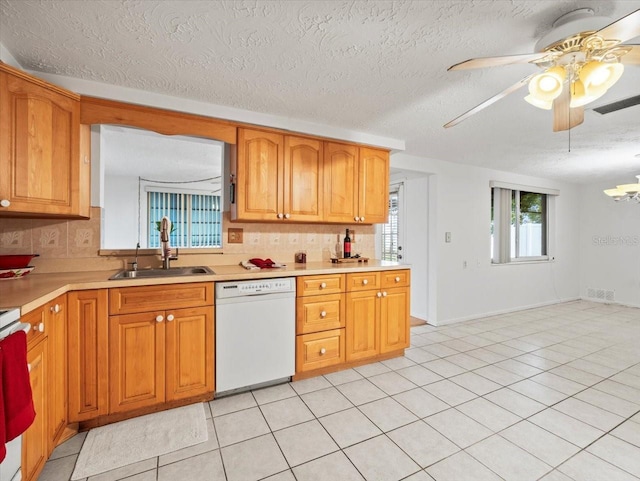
column 255, row 287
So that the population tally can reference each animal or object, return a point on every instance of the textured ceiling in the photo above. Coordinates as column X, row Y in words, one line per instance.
column 372, row 66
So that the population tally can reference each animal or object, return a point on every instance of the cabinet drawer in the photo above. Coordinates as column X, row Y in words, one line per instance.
column 363, row 281
column 325, row 284
column 322, row 349
column 399, row 278
column 319, row 313
column 127, row 300
column 37, row 320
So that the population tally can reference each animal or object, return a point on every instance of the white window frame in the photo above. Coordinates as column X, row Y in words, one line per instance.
column 502, row 195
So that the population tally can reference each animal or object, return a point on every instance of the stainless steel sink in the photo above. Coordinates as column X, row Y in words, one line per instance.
column 173, row 272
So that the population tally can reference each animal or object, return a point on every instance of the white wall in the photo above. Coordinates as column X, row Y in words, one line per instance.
column 7, row 58
column 121, row 212
column 609, row 244
column 459, row 202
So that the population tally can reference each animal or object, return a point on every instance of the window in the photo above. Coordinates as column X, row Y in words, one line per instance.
column 520, row 223
column 196, row 219
column 390, row 231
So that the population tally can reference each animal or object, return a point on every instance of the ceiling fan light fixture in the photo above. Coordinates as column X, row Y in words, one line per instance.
column 541, row 104
column 579, row 96
column 598, row 76
column 548, row 85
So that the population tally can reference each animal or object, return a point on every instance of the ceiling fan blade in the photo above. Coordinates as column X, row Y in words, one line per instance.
column 622, row 29
column 564, row 117
column 488, row 102
column 498, row 61
column 632, row 57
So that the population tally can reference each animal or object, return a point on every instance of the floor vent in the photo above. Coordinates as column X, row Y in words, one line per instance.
column 609, row 296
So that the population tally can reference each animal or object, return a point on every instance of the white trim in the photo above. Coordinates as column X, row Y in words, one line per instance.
column 615, row 303
column 504, row 311
column 526, row 188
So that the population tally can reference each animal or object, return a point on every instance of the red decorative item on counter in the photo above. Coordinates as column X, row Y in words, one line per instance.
column 262, row 263
column 16, row 261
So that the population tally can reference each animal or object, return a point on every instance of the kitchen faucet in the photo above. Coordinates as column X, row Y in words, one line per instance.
column 165, row 229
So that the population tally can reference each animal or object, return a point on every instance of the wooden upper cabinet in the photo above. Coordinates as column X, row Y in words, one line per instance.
column 259, row 185
column 340, row 180
column 356, row 184
column 373, row 186
column 303, row 179
column 40, row 164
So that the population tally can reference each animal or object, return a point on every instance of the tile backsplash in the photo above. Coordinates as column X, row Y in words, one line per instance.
column 73, row 245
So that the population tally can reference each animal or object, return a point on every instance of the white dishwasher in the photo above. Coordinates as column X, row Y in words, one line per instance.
column 255, row 333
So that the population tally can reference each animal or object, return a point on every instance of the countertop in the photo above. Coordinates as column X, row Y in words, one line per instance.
column 33, row 290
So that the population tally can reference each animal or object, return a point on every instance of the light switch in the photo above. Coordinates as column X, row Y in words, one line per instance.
column 447, row 236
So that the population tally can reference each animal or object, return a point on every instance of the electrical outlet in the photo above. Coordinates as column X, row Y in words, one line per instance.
column 234, row 235
column 352, row 236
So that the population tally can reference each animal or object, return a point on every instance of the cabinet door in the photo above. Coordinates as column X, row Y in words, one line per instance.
column 136, row 355
column 39, row 146
column 56, row 312
column 259, row 179
column 303, row 180
column 88, row 342
column 362, row 329
column 189, row 352
column 373, row 183
column 340, row 181
column 394, row 319
column 34, row 441
column 320, row 349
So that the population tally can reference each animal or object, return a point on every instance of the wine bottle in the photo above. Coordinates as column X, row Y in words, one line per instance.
column 347, row 245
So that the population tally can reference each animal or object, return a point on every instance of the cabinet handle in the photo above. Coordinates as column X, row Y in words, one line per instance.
column 286, row 216
column 5, row 203
column 323, row 314
column 170, row 317
column 323, row 285
column 365, row 282
column 379, row 294
column 384, row 294
column 55, row 308
column 397, row 279
column 323, row 351
column 41, row 327
column 279, row 216
column 159, row 318
column 29, row 367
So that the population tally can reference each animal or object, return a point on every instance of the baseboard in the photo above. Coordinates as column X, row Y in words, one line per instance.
column 503, row 311
column 615, row 303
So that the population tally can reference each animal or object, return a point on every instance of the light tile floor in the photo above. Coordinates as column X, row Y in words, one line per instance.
column 544, row 394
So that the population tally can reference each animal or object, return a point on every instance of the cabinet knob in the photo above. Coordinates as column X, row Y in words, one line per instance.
column 323, row 351
column 159, row 318
column 397, row 279
column 384, row 294
column 286, row 216
column 365, row 282
column 170, row 317
column 361, row 219
column 356, row 218
column 279, row 216
column 379, row 294
column 323, row 285
column 41, row 327
column 55, row 308
column 5, row 203
column 323, row 314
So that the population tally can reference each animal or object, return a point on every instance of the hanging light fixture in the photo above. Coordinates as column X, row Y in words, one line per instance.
column 625, row 192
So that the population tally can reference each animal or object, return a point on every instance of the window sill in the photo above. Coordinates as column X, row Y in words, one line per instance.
column 532, row 261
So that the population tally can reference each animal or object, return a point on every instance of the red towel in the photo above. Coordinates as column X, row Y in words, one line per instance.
column 262, row 263
column 19, row 412
column 3, row 449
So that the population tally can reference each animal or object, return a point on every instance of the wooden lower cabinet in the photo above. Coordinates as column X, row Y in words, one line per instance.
column 394, row 315
column 136, row 355
column 160, row 356
column 363, row 325
column 88, row 354
column 320, row 349
column 56, row 312
column 189, row 353
column 35, row 441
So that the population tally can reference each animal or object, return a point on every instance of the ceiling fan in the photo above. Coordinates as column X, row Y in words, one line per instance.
column 577, row 68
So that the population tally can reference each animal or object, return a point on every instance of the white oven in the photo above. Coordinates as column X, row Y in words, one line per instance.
column 10, row 467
